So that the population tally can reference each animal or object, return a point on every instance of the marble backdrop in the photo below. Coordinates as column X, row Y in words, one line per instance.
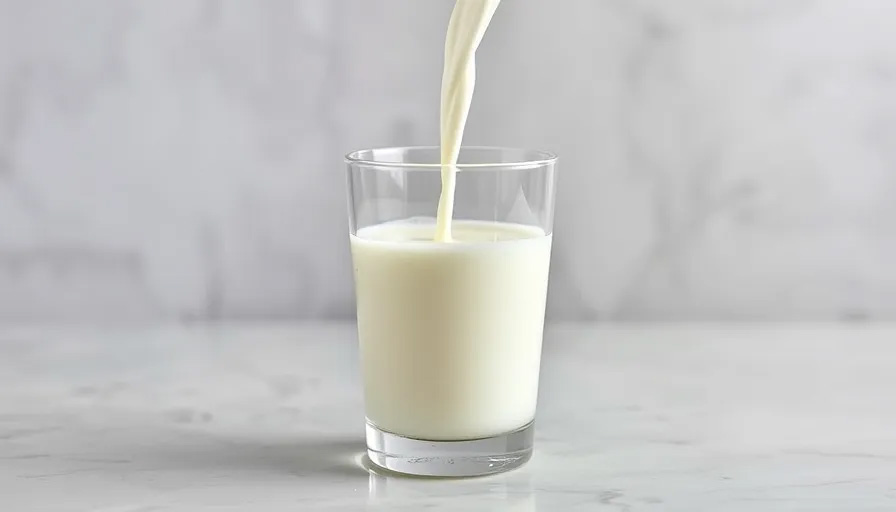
column 182, row 159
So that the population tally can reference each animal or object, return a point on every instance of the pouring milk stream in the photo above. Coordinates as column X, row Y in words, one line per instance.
column 465, row 30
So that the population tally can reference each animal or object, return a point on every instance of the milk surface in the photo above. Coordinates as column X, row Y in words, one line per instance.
column 450, row 333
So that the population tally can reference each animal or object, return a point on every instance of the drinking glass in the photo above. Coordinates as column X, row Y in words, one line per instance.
column 450, row 331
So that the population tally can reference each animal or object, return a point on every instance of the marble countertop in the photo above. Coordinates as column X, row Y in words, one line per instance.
column 269, row 417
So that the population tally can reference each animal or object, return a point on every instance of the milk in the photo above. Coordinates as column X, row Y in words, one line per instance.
column 468, row 22
column 450, row 333
column 451, row 314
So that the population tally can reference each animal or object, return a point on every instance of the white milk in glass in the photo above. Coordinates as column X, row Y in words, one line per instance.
column 451, row 312
column 450, row 333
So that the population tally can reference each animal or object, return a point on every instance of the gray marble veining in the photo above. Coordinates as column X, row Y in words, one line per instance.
column 181, row 159
column 269, row 417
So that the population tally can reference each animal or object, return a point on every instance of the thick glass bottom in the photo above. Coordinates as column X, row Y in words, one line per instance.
column 450, row 458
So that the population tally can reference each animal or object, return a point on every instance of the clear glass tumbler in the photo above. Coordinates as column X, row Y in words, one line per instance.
column 450, row 332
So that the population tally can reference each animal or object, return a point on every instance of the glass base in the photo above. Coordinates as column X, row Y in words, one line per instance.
column 450, row 458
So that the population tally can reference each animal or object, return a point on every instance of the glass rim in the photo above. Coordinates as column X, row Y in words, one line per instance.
column 544, row 158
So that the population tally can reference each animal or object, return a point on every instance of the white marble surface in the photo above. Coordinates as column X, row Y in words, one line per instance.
column 721, row 159
column 268, row 417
